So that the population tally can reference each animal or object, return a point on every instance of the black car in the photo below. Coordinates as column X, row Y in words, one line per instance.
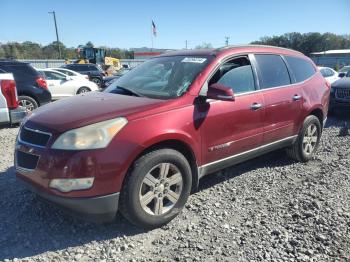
column 31, row 86
column 108, row 80
column 340, row 94
column 94, row 72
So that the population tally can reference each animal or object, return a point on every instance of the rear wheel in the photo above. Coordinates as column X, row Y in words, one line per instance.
column 29, row 103
column 97, row 81
column 83, row 89
column 308, row 140
column 156, row 189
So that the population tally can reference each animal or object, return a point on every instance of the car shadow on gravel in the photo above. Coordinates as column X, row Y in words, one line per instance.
column 274, row 159
column 338, row 119
column 30, row 227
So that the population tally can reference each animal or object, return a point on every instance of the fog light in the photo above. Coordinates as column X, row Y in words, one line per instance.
column 71, row 184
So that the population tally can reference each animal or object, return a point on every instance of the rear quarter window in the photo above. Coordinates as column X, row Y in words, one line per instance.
column 21, row 72
column 301, row 68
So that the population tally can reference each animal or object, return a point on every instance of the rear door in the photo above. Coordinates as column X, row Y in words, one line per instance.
column 229, row 128
column 282, row 100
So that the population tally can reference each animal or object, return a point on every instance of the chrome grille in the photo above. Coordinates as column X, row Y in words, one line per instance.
column 343, row 93
column 34, row 137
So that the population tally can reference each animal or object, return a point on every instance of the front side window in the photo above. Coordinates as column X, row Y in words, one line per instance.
column 54, row 76
column 161, row 77
column 236, row 74
column 272, row 71
column 68, row 73
column 301, row 68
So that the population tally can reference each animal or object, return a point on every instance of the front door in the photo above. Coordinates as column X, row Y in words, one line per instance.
column 229, row 128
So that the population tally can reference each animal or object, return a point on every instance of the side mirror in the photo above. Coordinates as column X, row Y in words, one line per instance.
column 342, row 74
column 68, row 78
column 220, row 92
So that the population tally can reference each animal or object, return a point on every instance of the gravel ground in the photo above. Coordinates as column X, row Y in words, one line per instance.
column 270, row 209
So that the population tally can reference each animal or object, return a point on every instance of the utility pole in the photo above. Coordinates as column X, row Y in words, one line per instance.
column 57, row 39
column 186, row 44
column 226, row 41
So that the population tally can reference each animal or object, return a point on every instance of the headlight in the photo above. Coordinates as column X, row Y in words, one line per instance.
column 69, row 184
column 93, row 136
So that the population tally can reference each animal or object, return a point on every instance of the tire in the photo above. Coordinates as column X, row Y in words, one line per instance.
column 83, row 89
column 97, row 81
column 304, row 151
column 137, row 185
column 28, row 102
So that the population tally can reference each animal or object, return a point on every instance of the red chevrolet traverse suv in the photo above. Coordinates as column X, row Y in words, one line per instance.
column 142, row 145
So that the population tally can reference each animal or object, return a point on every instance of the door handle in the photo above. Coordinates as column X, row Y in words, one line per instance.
column 296, row 97
column 255, row 106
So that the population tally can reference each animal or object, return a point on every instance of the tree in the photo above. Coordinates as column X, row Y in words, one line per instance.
column 307, row 43
column 204, row 45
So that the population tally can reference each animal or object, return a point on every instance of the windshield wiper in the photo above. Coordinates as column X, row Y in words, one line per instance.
column 129, row 90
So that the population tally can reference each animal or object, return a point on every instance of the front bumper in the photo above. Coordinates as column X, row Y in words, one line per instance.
column 95, row 209
column 16, row 115
column 341, row 100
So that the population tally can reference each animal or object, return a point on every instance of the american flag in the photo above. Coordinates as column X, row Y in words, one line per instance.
column 154, row 28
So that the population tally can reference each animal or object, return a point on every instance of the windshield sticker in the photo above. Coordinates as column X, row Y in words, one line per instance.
column 198, row 60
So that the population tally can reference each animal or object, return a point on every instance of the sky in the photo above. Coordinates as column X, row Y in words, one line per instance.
column 127, row 23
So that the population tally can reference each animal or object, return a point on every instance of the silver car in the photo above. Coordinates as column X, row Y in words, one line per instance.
column 10, row 111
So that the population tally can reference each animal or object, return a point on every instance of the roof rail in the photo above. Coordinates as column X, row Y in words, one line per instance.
column 255, row 45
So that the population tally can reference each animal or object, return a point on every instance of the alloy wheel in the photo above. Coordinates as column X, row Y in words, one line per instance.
column 83, row 90
column 27, row 104
column 160, row 189
column 310, row 139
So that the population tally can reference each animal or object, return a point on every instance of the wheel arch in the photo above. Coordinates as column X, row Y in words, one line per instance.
column 180, row 146
column 77, row 92
column 319, row 114
column 24, row 93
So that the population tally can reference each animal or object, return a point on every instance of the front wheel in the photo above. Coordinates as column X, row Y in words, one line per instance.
column 307, row 141
column 156, row 189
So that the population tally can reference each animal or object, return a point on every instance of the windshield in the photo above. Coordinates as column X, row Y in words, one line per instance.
column 344, row 69
column 161, row 77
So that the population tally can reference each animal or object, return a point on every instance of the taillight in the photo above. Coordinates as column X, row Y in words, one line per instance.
column 41, row 82
column 8, row 89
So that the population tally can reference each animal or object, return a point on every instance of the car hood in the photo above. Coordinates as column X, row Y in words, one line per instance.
column 87, row 109
column 342, row 83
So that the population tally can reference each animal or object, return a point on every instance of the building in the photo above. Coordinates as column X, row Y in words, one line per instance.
column 146, row 53
column 332, row 58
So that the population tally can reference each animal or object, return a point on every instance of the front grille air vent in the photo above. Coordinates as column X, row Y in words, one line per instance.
column 34, row 137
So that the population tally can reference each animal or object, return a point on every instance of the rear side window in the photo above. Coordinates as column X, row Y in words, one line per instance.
column 21, row 72
column 53, row 76
column 301, row 68
column 83, row 68
column 68, row 73
column 272, row 72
